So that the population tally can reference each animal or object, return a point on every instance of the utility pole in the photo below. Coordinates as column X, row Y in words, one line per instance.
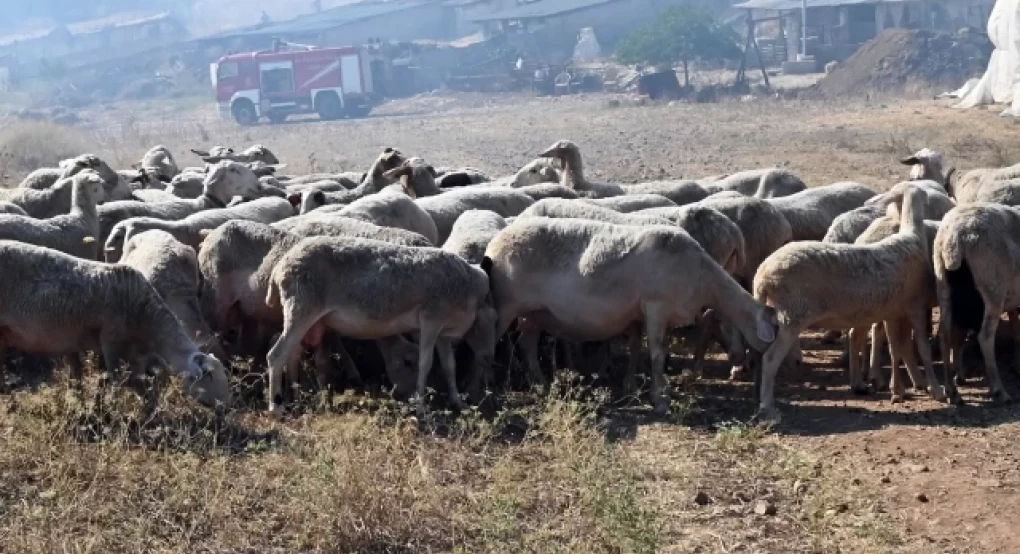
column 803, row 29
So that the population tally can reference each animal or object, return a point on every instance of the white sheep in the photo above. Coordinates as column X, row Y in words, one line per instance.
column 73, row 233
column 369, row 289
column 774, row 181
column 159, row 162
column 587, row 280
column 845, row 286
column 633, row 202
column 812, row 211
column 112, row 308
column 116, row 187
column 387, row 209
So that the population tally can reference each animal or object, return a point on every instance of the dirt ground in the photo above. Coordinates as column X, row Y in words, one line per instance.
column 843, row 473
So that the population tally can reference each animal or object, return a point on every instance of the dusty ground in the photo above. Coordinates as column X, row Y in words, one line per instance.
column 842, row 474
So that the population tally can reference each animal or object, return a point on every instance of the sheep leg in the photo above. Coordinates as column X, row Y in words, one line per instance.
column 427, row 336
column 448, row 362
column 706, row 330
column 395, row 351
column 656, row 327
column 286, row 352
column 894, row 330
column 921, row 327
column 986, row 338
column 529, row 344
column 774, row 356
column 1014, row 324
column 629, row 379
column 910, row 361
column 856, row 341
column 878, row 341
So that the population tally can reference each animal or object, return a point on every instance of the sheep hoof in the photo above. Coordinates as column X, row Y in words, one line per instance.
column 896, row 398
column 937, row 393
column 862, row 390
column 738, row 373
column 955, row 399
column 767, row 417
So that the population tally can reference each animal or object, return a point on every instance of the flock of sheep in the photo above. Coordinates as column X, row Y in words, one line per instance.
column 237, row 258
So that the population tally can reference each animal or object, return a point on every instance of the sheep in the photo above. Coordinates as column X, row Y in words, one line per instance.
column 370, row 289
column 153, row 195
column 714, row 231
column 846, row 286
column 999, row 192
column 88, row 304
column 444, row 209
column 472, row 233
column 159, row 162
column 73, row 233
column 116, row 187
column 345, row 180
column 192, row 229
column 680, row 192
column 811, row 212
column 588, row 280
column 254, row 153
column 327, row 185
column 925, row 164
column 776, row 182
column 762, row 226
column 386, row 209
column 548, row 190
column 11, row 209
column 848, row 226
column 976, row 260
column 172, row 269
column 537, row 171
column 375, row 181
column 967, row 188
column 880, row 229
column 569, row 209
column 237, row 260
column 224, row 181
column 633, row 202
column 460, row 177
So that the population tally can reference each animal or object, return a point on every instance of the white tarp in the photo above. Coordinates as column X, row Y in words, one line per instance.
column 587, row 48
column 999, row 85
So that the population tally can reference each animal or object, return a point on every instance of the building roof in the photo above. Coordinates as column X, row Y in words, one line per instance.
column 122, row 19
column 796, row 4
column 540, row 9
column 326, row 19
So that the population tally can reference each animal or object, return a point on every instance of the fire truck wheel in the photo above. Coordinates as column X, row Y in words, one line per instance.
column 328, row 106
column 244, row 112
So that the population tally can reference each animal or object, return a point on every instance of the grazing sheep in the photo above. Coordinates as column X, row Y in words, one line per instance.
column 93, row 305
column 386, row 209
column 811, row 212
column 255, row 153
column 570, row 209
column 172, row 269
column 762, row 226
column 472, row 233
column 633, row 202
column 967, row 188
column 191, row 230
column 345, row 180
column 116, row 187
column 42, row 204
column 774, row 181
column 976, row 267
column 224, row 181
column 714, row 231
column 237, row 260
column 845, row 286
column 153, row 195
column 588, row 280
column 369, row 289
column 444, row 209
column 73, row 233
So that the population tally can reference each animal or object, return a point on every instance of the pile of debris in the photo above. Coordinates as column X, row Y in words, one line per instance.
column 910, row 61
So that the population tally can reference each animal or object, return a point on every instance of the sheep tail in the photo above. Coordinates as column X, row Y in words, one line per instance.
column 952, row 252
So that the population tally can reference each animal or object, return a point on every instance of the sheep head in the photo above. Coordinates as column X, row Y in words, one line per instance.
column 259, row 153
column 205, row 380
column 925, row 164
column 228, row 179
column 93, row 184
column 215, row 154
column 560, row 150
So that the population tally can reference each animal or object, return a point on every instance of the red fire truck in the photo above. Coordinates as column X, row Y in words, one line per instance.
column 332, row 82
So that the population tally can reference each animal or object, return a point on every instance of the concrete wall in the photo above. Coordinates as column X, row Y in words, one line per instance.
column 428, row 21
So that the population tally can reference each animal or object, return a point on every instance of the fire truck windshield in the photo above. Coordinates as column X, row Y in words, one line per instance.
column 227, row 70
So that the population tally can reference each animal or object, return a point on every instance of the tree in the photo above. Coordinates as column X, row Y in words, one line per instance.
column 681, row 34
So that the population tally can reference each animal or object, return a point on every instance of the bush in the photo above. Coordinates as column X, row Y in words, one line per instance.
column 28, row 145
column 680, row 34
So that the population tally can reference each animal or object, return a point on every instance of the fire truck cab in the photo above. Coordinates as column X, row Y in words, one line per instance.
column 332, row 82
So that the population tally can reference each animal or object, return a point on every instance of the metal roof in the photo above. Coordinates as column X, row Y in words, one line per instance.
column 326, row 19
column 796, row 4
column 542, row 8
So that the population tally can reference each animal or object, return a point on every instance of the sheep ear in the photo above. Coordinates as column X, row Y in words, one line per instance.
column 910, row 160
column 893, row 209
column 200, row 153
column 273, row 168
column 487, row 265
column 395, row 174
column 432, row 170
column 294, row 199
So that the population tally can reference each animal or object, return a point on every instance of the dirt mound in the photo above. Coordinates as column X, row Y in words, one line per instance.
column 904, row 60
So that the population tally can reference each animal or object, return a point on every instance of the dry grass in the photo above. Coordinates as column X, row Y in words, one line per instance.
column 26, row 146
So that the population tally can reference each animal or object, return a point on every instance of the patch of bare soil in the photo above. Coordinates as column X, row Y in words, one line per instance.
column 905, row 60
